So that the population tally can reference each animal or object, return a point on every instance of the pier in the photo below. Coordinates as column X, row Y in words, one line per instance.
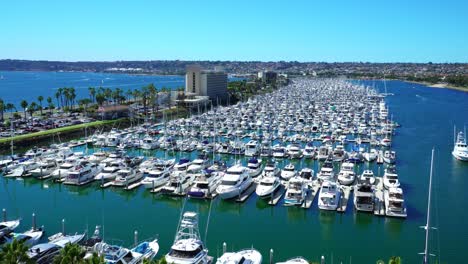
column 276, row 196
column 345, row 193
column 246, row 194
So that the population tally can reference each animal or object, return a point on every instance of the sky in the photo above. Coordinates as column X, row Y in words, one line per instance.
column 251, row 30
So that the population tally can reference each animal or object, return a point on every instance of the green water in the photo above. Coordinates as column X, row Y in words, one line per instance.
column 427, row 117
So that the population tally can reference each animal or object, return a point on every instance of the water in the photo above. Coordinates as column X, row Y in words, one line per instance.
column 15, row 83
column 427, row 116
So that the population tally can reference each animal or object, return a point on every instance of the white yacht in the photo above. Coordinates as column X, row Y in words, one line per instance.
column 46, row 167
column 254, row 166
column 156, row 178
column 460, row 150
column 113, row 254
column 339, row 154
column 149, row 143
column 29, row 238
column 371, row 155
column 329, row 196
column 247, row 256
column 127, row 176
column 82, row 174
column 294, row 151
column 324, row 153
column 188, row 248
column 61, row 172
column 296, row 191
column 390, row 178
column 306, row 173
column 326, row 172
column 394, row 202
column 8, row 226
column 346, row 175
column 267, row 185
column 297, row 260
column 271, row 169
column 279, row 152
column 309, row 151
column 109, row 172
column 97, row 157
column 234, row 182
column 367, row 176
column 364, row 197
column 389, row 156
column 252, row 148
column 288, row 172
column 205, row 184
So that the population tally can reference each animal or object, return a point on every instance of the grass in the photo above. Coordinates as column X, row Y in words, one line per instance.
column 58, row 130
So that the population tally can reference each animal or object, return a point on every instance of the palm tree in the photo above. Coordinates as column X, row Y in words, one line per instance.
column 84, row 102
column 92, row 94
column 40, row 98
column 2, row 109
column 32, row 108
column 60, row 93
column 100, row 98
column 50, row 104
column 72, row 96
column 70, row 254
column 10, row 107
column 394, row 260
column 14, row 252
column 24, row 104
column 57, row 96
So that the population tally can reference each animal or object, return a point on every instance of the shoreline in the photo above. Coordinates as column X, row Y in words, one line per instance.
column 439, row 85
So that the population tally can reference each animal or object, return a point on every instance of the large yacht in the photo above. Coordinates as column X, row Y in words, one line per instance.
column 254, row 166
column 250, row 256
column 297, row 260
column 296, row 191
column 329, row 196
column 394, row 202
column 82, row 174
column 460, row 150
column 234, row 182
column 288, row 172
column 271, row 168
column 205, row 184
column 127, row 176
column 389, row 156
column 267, row 185
column 390, row 178
column 347, row 175
column 326, row 172
column 252, row 148
column 364, row 197
column 188, row 248
column 367, row 176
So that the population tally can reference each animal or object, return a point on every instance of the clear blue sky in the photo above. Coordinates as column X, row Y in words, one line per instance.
column 309, row 30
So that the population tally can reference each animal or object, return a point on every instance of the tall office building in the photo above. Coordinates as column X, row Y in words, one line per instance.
column 206, row 83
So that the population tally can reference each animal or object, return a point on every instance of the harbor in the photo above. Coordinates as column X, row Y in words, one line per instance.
column 111, row 202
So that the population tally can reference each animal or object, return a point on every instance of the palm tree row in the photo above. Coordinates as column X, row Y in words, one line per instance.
column 66, row 99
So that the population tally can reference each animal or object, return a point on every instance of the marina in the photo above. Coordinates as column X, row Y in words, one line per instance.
column 286, row 136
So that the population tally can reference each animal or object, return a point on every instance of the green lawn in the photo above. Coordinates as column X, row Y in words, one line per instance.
column 57, row 130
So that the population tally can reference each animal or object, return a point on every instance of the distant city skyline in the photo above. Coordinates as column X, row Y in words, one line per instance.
column 304, row 31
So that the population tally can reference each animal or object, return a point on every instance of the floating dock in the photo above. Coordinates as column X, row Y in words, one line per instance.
column 246, row 194
column 277, row 196
column 133, row 186
column 315, row 186
column 379, row 204
column 345, row 192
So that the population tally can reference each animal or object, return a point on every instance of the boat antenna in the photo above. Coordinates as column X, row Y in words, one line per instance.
column 427, row 227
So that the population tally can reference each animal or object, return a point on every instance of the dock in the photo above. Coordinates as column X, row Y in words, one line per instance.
column 133, row 186
column 315, row 186
column 246, row 194
column 106, row 184
column 157, row 189
column 345, row 192
column 379, row 204
column 380, row 157
column 277, row 196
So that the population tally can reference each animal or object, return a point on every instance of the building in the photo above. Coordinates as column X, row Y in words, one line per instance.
column 108, row 112
column 212, row 84
column 268, row 77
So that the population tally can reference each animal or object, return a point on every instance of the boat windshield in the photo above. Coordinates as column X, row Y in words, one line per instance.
column 202, row 185
column 229, row 183
column 66, row 166
column 185, row 254
column 266, row 183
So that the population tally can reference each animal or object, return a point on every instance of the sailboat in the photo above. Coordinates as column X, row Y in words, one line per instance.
column 426, row 254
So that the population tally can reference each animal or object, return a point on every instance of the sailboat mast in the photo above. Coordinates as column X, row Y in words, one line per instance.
column 427, row 227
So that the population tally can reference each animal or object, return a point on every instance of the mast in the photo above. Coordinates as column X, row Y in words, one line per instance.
column 427, row 227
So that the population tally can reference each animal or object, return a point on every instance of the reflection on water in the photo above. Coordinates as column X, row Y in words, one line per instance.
column 229, row 207
column 363, row 219
column 296, row 214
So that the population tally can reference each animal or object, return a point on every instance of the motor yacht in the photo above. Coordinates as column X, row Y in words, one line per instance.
column 390, row 178
column 297, row 260
column 149, row 143
column 45, row 168
column 205, row 184
column 188, row 248
column 346, row 175
column 364, row 197
column 254, row 167
column 329, row 196
column 234, row 182
column 389, row 157
column 126, row 177
column 288, row 172
column 294, row 151
column 252, row 148
column 8, row 226
column 271, row 169
column 395, row 203
column 267, row 185
column 29, row 238
column 367, row 176
column 460, row 150
column 296, row 191
column 326, row 172
column 250, row 256
column 82, row 173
